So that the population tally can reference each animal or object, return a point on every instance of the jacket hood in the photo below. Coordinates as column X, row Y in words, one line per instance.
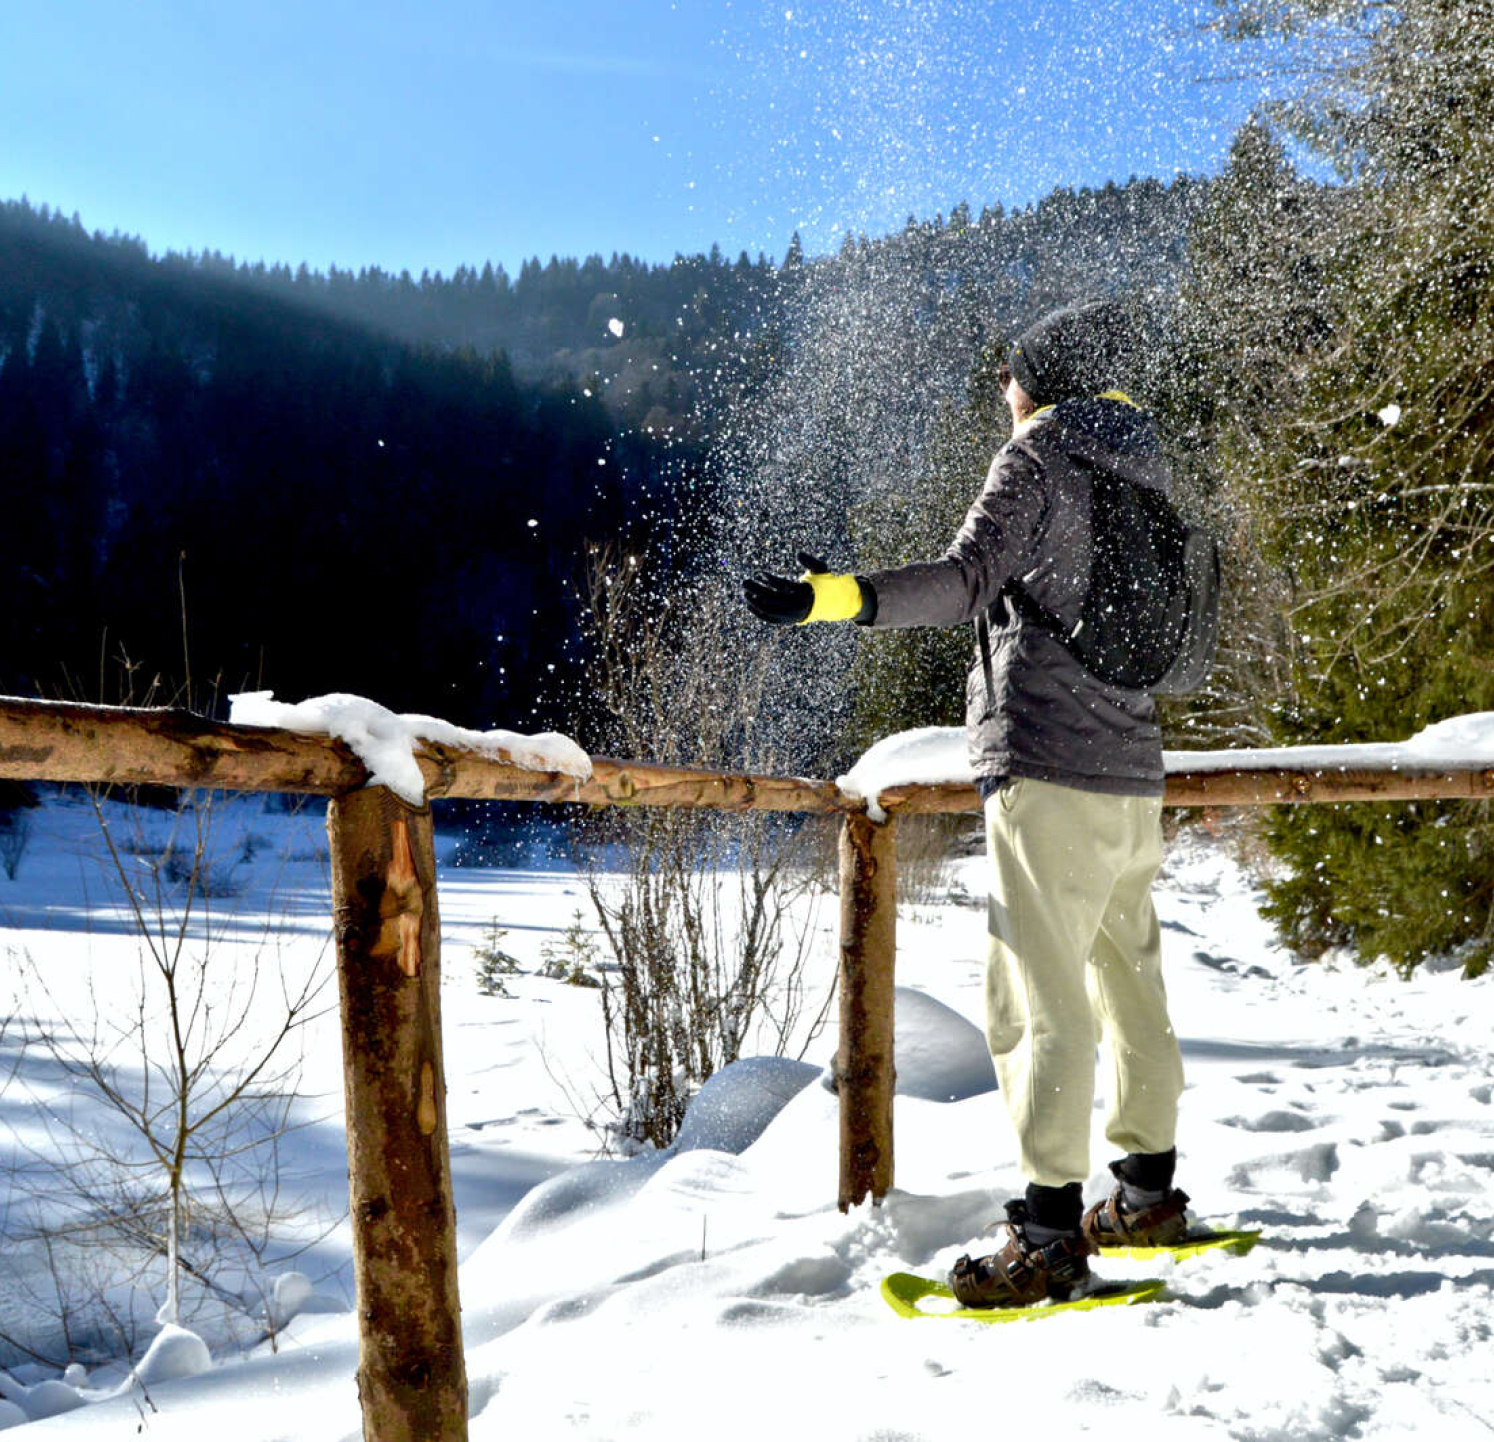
column 1109, row 431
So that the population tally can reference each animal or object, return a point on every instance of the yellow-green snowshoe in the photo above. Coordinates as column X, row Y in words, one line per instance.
column 912, row 1296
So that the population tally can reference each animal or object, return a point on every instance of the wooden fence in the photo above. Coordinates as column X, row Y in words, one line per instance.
column 411, row 1375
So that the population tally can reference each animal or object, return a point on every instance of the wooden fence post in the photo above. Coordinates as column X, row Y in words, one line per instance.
column 864, row 1069
column 412, row 1379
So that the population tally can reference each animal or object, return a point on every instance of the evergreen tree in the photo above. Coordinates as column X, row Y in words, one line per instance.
column 1357, row 454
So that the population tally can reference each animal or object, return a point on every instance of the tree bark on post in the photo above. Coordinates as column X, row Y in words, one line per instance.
column 864, row 1069
column 412, row 1379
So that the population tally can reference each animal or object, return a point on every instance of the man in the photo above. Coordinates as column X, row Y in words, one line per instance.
column 1070, row 770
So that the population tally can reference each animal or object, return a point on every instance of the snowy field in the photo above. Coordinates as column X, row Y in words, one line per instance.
column 717, row 1292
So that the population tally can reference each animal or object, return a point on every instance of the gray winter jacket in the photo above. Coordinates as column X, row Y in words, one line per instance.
column 1046, row 717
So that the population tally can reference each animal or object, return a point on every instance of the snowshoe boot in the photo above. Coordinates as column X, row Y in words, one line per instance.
column 1036, row 1264
column 1158, row 1220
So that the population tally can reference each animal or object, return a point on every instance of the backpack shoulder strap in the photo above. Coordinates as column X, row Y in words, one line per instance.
column 983, row 636
column 1034, row 611
column 998, row 613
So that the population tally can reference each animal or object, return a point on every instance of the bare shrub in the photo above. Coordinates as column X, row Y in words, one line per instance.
column 209, row 880
column 703, row 919
column 926, row 849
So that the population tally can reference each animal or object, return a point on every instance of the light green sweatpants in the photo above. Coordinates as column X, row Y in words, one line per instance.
column 1075, row 958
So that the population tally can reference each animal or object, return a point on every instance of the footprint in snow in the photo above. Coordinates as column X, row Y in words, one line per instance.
column 1274, row 1121
column 1230, row 966
column 757, row 1314
column 1312, row 1164
column 826, row 1275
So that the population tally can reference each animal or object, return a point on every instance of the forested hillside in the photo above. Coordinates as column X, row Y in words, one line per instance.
column 205, row 478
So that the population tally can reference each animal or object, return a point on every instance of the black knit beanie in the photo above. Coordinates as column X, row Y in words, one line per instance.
column 1080, row 350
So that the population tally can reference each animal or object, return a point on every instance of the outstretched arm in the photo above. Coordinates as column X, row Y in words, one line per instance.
column 997, row 540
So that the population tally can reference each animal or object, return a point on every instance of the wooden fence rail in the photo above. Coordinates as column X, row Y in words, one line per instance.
column 411, row 1375
column 63, row 741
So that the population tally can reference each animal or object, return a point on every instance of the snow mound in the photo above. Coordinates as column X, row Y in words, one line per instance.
column 734, row 1108
column 385, row 742
column 940, row 1055
column 291, row 1293
column 174, row 1354
column 31, row 1404
column 1458, row 741
column 728, row 1115
column 1468, row 739
column 576, row 1193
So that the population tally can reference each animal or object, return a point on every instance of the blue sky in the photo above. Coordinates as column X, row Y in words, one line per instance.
column 429, row 135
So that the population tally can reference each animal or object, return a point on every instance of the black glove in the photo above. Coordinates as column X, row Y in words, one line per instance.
column 780, row 600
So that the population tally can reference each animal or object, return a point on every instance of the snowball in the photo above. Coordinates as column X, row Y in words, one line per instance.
column 385, row 742
column 175, row 1353
column 11, row 1415
column 1390, row 415
column 733, row 1108
column 75, row 1374
column 616, row 327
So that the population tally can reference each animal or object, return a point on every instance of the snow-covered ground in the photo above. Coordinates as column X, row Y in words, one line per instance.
column 717, row 1292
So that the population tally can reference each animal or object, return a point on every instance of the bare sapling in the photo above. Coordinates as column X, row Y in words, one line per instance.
column 163, row 1075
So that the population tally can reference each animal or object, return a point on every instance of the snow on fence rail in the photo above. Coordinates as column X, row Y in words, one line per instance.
column 411, row 1376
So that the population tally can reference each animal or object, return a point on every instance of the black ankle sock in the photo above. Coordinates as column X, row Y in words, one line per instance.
column 1147, row 1171
column 1057, row 1207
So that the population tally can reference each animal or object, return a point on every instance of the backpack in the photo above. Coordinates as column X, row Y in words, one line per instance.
column 1150, row 619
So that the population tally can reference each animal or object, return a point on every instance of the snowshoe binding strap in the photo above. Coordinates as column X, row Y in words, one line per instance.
column 1022, row 1273
column 1109, row 1224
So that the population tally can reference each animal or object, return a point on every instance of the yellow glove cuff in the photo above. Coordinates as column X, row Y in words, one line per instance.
column 836, row 598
